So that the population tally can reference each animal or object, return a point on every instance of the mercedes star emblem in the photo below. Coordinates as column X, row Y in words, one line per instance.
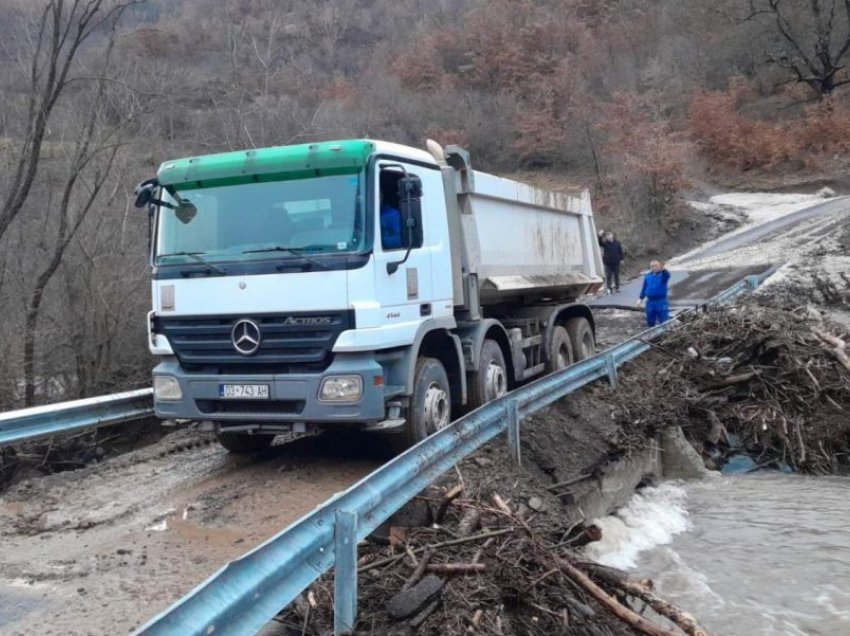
column 246, row 337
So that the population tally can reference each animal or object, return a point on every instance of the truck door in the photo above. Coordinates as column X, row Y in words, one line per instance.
column 407, row 296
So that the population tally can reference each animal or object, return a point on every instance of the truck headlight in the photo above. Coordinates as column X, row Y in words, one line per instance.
column 341, row 388
column 166, row 388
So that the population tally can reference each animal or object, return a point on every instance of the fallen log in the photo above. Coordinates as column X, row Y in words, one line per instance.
column 625, row 614
column 643, row 590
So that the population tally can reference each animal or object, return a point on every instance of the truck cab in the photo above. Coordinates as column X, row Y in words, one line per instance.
column 328, row 285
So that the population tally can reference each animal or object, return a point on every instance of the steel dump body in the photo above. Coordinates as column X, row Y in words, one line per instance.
column 522, row 241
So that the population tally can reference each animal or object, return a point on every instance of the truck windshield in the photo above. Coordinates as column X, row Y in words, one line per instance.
column 296, row 219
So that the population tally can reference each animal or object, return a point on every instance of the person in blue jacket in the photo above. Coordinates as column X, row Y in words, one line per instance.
column 654, row 290
column 390, row 227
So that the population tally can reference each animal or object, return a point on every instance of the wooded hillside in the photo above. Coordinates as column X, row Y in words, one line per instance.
column 637, row 99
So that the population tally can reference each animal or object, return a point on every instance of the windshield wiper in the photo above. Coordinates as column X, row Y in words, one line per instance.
column 291, row 250
column 197, row 257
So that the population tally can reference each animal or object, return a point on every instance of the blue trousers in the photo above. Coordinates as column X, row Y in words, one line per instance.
column 656, row 311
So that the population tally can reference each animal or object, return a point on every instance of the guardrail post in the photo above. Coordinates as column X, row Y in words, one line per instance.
column 345, row 572
column 512, row 415
column 753, row 281
column 611, row 365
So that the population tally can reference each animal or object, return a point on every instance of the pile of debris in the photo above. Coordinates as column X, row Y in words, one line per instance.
column 489, row 562
column 753, row 386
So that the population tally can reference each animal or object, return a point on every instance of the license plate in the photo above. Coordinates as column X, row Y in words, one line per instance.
column 244, row 391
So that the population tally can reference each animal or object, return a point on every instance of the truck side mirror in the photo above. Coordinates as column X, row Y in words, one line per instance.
column 409, row 186
column 410, row 206
column 144, row 193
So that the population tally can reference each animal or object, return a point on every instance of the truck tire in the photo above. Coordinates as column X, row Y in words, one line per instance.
column 560, row 351
column 244, row 443
column 490, row 381
column 581, row 338
column 430, row 405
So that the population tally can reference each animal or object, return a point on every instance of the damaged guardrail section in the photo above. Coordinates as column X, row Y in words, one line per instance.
column 248, row 592
column 36, row 422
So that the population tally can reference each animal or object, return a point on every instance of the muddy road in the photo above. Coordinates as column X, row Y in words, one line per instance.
column 709, row 269
column 101, row 550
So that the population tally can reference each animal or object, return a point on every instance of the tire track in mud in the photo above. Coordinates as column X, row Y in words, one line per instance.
column 102, row 549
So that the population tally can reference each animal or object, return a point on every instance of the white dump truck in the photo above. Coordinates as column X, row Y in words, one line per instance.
column 357, row 283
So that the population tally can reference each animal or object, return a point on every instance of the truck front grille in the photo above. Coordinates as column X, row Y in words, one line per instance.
column 250, row 407
column 288, row 342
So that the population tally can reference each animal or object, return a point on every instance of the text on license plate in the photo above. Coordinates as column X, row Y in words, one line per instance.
column 244, row 391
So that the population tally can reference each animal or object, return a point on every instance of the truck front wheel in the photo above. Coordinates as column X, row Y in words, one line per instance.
column 491, row 379
column 560, row 352
column 243, row 443
column 430, row 405
column 581, row 338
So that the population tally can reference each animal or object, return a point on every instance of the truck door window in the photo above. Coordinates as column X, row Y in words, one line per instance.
column 394, row 234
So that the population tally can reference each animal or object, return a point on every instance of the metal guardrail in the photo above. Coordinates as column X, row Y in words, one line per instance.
column 248, row 592
column 25, row 425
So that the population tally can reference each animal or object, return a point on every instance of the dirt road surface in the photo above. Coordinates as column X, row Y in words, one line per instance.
column 101, row 550
column 711, row 268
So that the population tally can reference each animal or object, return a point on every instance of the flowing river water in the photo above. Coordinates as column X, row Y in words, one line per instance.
column 752, row 555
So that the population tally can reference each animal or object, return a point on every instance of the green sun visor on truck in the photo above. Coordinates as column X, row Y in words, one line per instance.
column 266, row 164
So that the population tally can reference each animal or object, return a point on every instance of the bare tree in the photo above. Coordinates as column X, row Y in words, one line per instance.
column 808, row 38
column 58, row 36
column 89, row 165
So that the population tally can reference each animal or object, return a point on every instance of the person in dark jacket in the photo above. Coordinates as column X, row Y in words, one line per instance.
column 654, row 290
column 612, row 258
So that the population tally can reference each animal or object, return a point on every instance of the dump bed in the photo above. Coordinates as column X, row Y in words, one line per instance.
column 523, row 241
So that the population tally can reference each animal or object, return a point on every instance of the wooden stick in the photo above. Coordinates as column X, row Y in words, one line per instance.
column 420, row 569
column 412, row 556
column 444, row 544
column 625, row 614
column 450, row 496
column 481, row 549
column 569, row 482
column 840, row 347
column 830, row 339
column 455, row 568
column 540, row 579
column 501, row 505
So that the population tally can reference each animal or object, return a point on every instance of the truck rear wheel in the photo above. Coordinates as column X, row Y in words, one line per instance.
column 430, row 405
column 560, row 351
column 243, row 443
column 581, row 338
column 491, row 379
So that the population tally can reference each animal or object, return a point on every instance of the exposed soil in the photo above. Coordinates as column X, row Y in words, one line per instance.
column 102, row 549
